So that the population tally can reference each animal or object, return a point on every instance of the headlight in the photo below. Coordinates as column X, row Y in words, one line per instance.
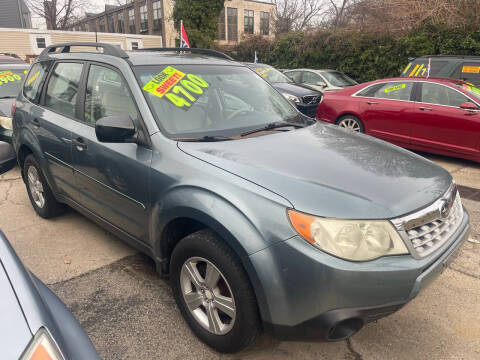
column 291, row 97
column 356, row 240
column 42, row 347
column 6, row 122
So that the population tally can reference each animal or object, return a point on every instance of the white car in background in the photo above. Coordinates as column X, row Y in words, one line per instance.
column 326, row 79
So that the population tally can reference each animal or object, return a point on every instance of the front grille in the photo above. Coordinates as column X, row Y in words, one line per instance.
column 311, row 99
column 428, row 237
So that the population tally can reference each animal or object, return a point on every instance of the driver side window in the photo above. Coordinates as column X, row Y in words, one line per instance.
column 107, row 95
column 442, row 95
column 311, row 78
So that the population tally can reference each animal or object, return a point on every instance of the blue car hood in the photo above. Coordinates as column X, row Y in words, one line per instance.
column 328, row 171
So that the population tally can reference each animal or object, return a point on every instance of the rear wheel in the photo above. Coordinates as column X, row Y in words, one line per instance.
column 351, row 122
column 39, row 192
column 213, row 292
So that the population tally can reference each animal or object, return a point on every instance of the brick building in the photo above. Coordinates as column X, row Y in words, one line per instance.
column 155, row 17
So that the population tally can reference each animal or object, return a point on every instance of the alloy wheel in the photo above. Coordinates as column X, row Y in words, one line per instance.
column 351, row 124
column 36, row 187
column 207, row 295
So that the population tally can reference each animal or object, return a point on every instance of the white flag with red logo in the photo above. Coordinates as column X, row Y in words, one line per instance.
column 184, row 43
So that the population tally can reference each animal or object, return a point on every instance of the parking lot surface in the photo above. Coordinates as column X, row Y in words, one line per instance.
column 129, row 312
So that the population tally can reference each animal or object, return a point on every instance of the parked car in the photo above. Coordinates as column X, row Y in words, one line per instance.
column 435, row 115
column 261, row 216
column 466, row 68
column 12, row 73
column 35, row 323
column 305, row 98
column 321, row 80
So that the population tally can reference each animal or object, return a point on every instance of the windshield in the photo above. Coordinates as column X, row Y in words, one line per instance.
column 199, row 100
column 472, row 90
column 11, row 82
column 270, row 74
column 338, row 79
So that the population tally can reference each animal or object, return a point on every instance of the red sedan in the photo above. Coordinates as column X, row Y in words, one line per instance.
column 433, row 115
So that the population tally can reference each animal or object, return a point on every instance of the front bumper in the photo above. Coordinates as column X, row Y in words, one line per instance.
column 308, row 291
column 309, row 110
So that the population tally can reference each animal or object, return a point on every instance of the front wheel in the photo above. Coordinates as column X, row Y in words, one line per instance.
column 213, row 292
column 351, row 122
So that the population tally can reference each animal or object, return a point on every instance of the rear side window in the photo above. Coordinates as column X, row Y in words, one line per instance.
column 34, row 80
column 62, row 88
column 442, row 95
column 468, row 71
column 389, row 90
column 419, row 68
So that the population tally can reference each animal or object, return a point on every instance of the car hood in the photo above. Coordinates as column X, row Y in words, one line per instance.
column 328, row 171
column 14, row 330
column 6, row 106
column 295, row 89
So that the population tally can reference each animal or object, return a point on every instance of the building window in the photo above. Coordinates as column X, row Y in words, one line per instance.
column 221, row 25
column 92, row 26
column 41, row 43
column 157, row 16
column 232, row 24
column 82, row 27
column 111, row 24
column 248, row 21
column 131, row 21
column 143, row 18
column 134, row 45
column 101, row 24
column 120, row 23
column 264, row 23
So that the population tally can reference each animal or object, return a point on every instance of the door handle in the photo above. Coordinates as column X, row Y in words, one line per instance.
column 425, row 108
column 372, row 102
column 471, row 112
column 79, row 143
column 36, row 122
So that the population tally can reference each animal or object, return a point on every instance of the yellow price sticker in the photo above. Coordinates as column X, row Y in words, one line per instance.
column 394, row 88
column 8, row 76
column 471, row 69
column 181, row 89
column 32, row 79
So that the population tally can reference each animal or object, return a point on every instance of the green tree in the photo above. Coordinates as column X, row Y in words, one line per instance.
column 200, row 19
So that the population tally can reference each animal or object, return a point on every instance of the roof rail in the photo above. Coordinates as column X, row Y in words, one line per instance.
column 451, row 56
column 108, row 49
column 192, row 50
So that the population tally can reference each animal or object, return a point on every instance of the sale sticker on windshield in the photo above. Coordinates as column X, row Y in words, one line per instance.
column 181, row 89
column 471, row 69
column 8, row 76
column 263, row 72
column 394, row 88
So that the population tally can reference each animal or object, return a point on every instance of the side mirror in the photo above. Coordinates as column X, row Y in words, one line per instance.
column 321, row 83
column 468, row 106
column 116, row 129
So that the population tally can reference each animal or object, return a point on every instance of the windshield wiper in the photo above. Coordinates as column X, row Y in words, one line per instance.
column 206, row 138
column 8, row 97
column 271, row 126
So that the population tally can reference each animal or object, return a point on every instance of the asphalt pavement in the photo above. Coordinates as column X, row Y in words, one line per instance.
column 128, row 310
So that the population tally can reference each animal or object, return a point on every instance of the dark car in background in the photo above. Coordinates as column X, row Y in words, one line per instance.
column 466, row 68
column 305, row 98
column 35, row 324
column 12, row 74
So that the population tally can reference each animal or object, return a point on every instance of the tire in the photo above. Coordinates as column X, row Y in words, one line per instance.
column 351, row 122
column 232, row 333
column 39, row 192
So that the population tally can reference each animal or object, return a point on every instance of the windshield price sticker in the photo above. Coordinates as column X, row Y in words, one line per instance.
column 472, row 89
column 471, row 69
column 263, row 72
column 181, row 89
column 394, row 88
column 32, row 79
column 8, row 76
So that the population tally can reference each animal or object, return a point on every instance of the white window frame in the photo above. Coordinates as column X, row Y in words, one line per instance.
column 33, row 42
